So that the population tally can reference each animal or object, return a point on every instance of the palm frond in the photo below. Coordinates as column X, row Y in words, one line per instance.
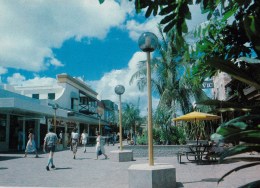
column 237, row 169
column 238, row 149
column 254, row 184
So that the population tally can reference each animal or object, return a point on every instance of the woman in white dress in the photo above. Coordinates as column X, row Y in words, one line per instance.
column 100, row 146
column 31, row 146
column 84, row 139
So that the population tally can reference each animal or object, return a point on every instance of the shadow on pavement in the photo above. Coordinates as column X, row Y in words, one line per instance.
column 238, row 159
column 4, row 158
column 179, row 184
column 81, row 158
column 210, row 180
column 3, row 168
column 203, row 180
column 64, row 168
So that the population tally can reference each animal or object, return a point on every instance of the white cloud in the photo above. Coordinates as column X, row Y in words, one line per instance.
column 136, row 29
column 197, row 17
column 105, row 87
column 30, row 29
column 16, row 79
column 3, row 70
column 56, row 62
column 20, row 80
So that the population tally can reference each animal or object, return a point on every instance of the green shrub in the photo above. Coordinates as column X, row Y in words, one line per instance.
column 142, row 139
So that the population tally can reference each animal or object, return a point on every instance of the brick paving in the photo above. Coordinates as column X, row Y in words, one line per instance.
column 85, row 171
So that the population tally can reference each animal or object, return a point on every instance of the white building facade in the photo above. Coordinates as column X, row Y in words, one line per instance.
column 66, row 105
column 220, row 81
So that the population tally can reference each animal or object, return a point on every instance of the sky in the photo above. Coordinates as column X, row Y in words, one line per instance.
column 95, row 43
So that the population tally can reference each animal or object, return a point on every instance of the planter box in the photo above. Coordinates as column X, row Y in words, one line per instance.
column 159, row 150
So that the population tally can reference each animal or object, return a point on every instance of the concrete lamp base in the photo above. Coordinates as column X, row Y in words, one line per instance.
column 157, row 176
column 121, row 156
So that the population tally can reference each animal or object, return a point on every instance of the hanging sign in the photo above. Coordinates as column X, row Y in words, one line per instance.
column 207, row 84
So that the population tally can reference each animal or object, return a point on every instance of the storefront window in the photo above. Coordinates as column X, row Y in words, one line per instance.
column 2, row 127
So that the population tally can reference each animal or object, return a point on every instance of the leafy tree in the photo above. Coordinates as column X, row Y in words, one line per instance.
column 223, row 47
column 175, row 13
column 174, row 135
column 130, row 115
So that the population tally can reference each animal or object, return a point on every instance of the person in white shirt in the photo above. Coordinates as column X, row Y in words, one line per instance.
column 74, row 141
column 84, row 139
column 60, row 137
column 100, row 149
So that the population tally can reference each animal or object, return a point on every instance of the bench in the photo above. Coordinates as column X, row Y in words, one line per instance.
column 213, row 157
column 185, row 153
column 179, row 154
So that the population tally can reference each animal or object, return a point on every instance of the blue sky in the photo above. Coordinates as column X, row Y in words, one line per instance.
column 95, row 43
column 93, row 60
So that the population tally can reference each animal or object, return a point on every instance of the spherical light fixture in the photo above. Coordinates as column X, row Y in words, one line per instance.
column 119, row 89
column 148, row 42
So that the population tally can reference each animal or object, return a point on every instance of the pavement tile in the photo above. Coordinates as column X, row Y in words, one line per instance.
column 84, row 171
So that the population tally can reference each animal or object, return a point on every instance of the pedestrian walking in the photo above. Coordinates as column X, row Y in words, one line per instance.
column 134, row 138
column 114, row 138
column 20, row 140
column 84, row 139
column 61, row 137
column 108, row 138
column 100, row 149
column 49, row 144
column 74, row 141
column 31, row 146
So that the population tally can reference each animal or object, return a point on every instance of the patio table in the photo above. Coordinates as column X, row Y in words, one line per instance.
column 198, row 151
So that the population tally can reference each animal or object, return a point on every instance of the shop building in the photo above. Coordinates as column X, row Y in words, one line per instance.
column 67, row 104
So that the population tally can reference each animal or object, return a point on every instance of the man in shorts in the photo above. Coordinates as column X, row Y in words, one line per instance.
column 50, row 142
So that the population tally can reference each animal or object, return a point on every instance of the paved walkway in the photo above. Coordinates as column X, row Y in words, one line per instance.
column 16, row 171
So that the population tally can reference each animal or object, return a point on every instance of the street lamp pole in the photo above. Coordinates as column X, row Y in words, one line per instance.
column 55, row 107
column 119, row 90
column 148, row 43
column 120, row 121
column 100, row 112
column 99, row 125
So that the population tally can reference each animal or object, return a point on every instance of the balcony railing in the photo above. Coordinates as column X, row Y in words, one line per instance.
column 87, row 109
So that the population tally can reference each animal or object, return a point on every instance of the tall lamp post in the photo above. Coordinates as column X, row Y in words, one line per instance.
column 99, row 123
column 148, row 43
column 55, row 107
column 119, row 90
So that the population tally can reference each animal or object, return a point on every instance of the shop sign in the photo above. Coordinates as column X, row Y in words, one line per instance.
column 63, row 123
column 207, row 84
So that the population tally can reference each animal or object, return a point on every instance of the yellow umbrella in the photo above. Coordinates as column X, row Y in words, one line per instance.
column 196, row 116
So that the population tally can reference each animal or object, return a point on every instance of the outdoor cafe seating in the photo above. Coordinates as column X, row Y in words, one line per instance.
column 196, row 152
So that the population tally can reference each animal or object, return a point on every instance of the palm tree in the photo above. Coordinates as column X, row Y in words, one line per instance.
column 170, row 79
column 130, row 115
